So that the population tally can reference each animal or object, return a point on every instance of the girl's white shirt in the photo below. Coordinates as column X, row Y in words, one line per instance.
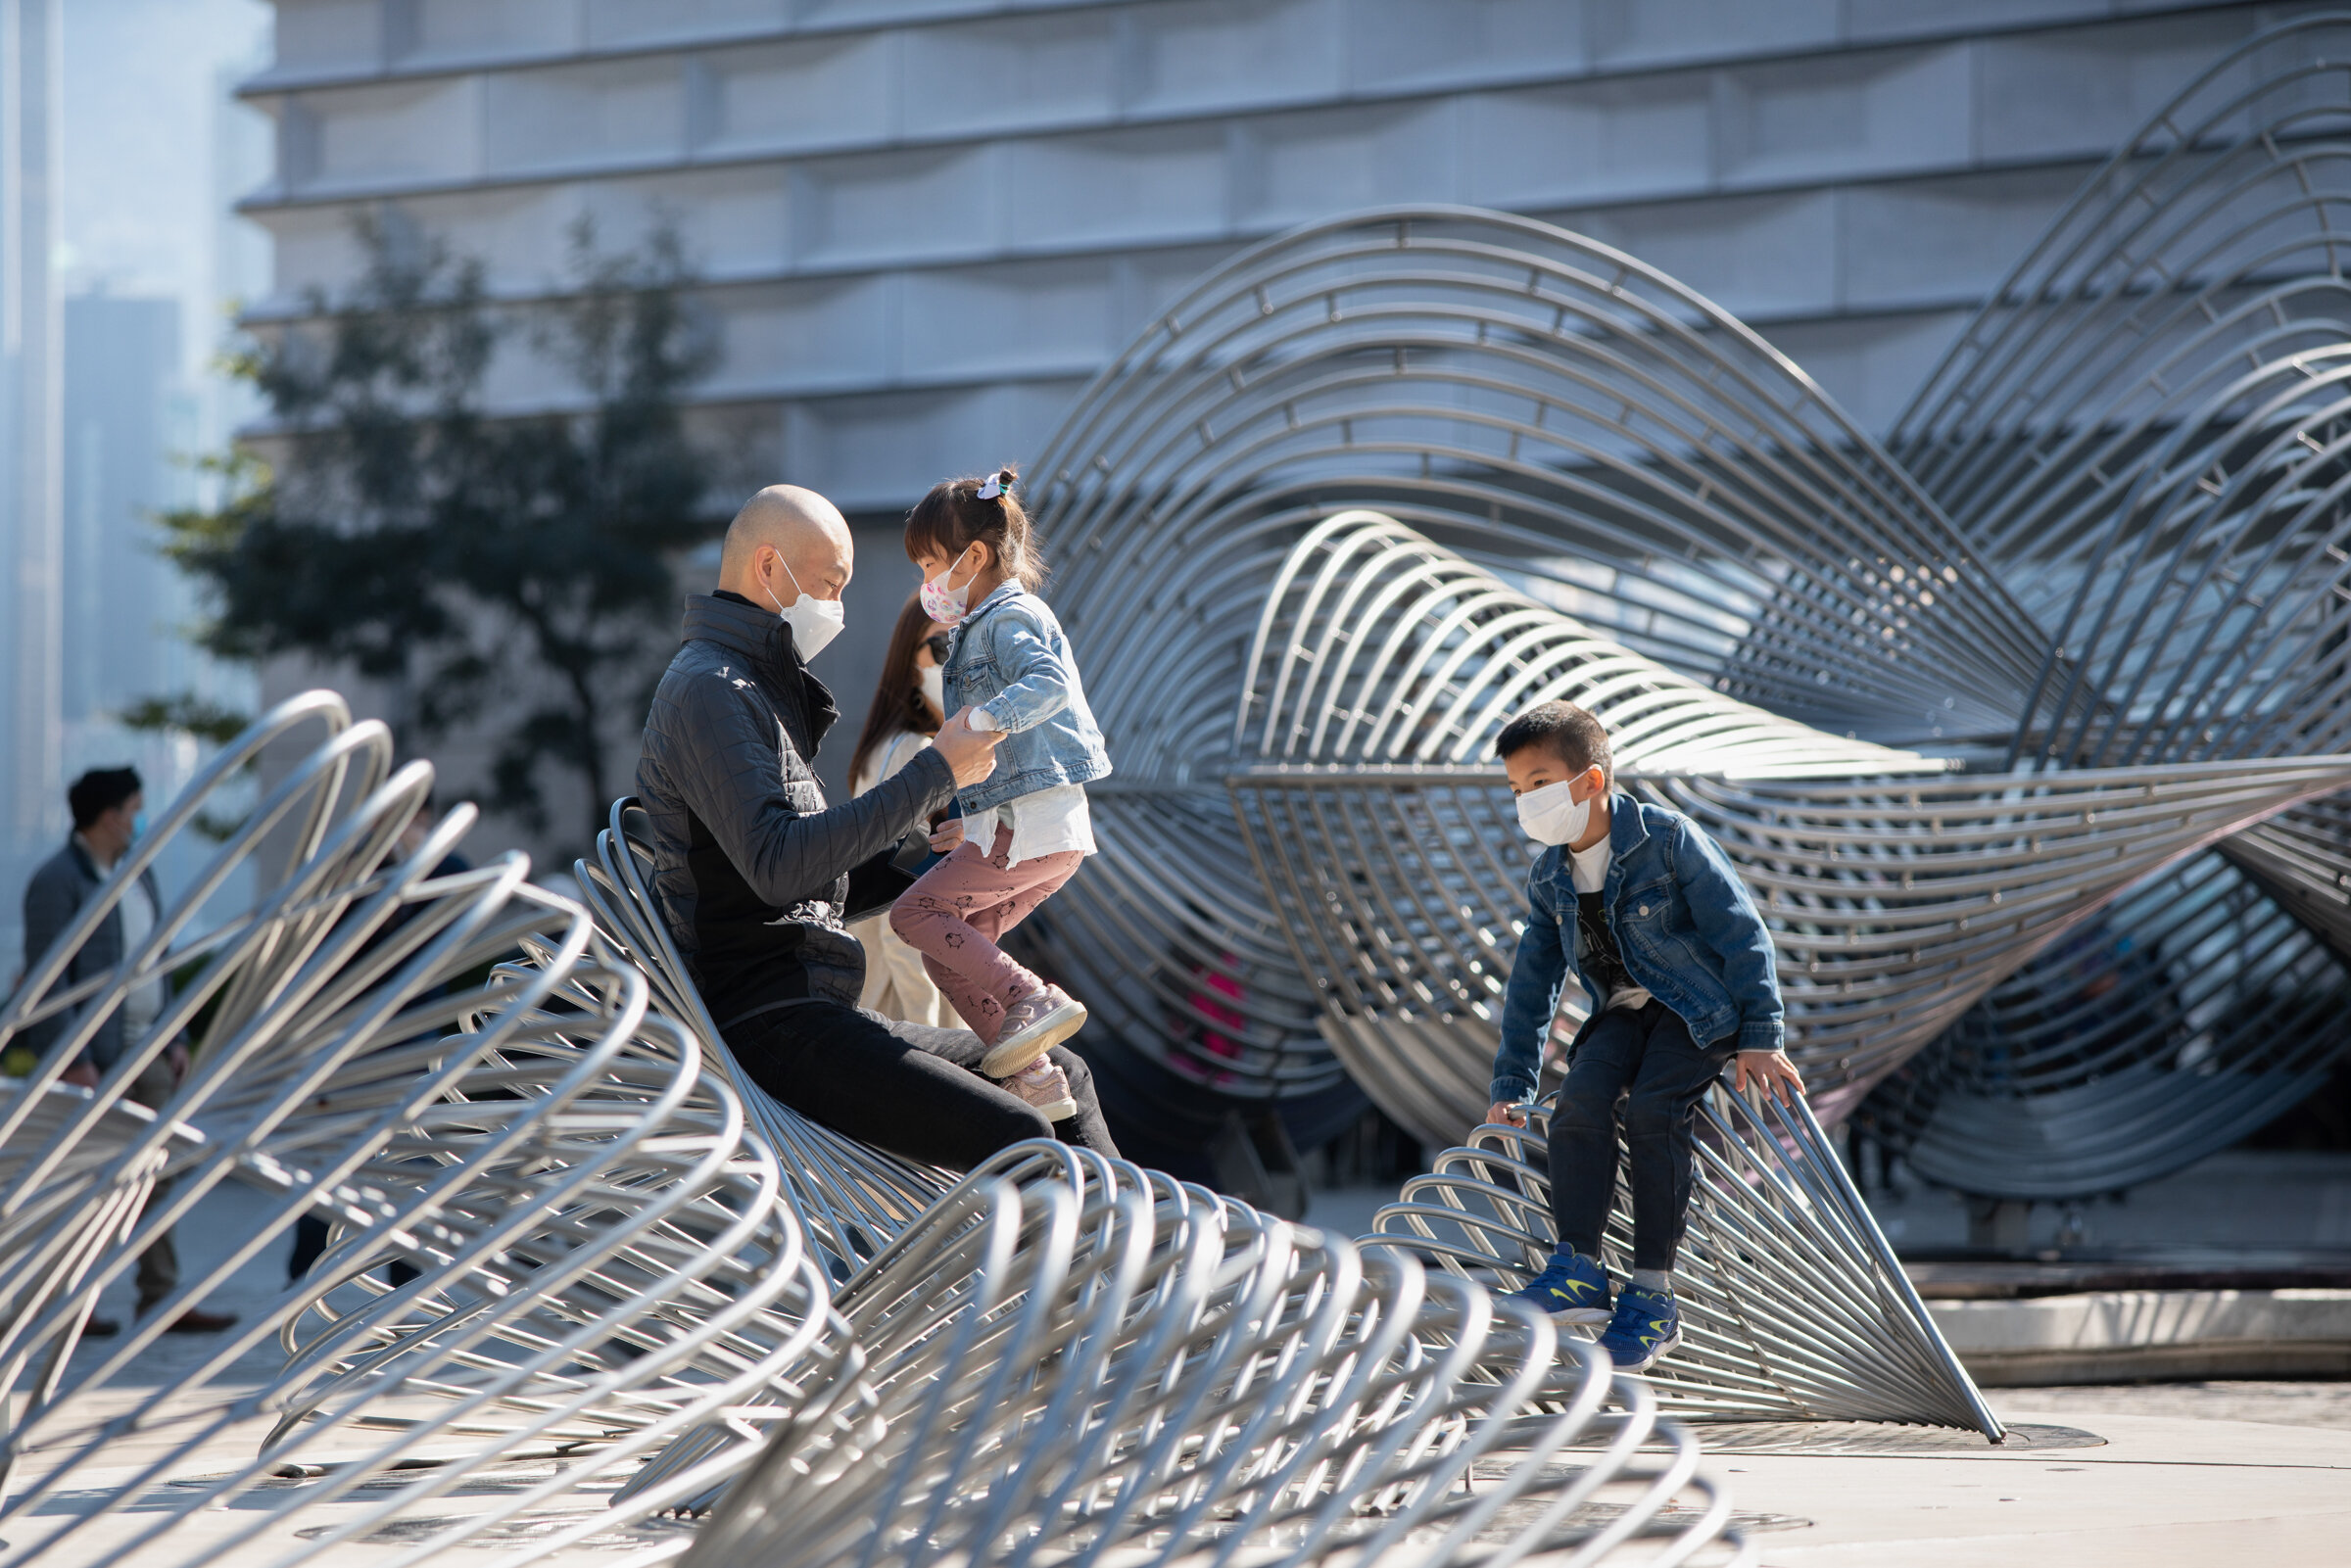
column 1046, row 823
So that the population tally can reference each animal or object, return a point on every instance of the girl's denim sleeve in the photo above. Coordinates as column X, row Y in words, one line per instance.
column 1036, row 683
column 1537, row 974
column 1728, row 922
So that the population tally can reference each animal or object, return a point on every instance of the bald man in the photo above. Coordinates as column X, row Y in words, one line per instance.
column 756, row 872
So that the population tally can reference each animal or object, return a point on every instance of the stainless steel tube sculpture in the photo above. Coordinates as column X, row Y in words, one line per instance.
column 2144, row 429
column 1793, row 1306
column 1543, row 405
column 605, row 1258
column 1039, row 1384
column 1072, row 1356
column 1617, row 448
column 613, row 1307
column 1383, row 665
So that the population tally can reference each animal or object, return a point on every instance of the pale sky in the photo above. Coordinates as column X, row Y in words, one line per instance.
column 155, row 152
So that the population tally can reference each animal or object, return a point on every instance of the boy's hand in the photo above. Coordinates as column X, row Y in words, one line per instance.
column 1768, row 1070
column 1510, row 1114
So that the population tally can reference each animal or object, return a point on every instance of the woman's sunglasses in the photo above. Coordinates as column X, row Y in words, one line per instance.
column 938, row 643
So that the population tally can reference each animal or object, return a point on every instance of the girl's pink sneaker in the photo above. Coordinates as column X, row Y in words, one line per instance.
column 1032, row 1025
column 1046, row 1087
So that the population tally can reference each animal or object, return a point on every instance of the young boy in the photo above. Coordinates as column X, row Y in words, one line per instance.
column 1645, row 909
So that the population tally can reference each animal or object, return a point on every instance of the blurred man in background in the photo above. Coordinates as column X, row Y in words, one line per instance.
column 109, row 813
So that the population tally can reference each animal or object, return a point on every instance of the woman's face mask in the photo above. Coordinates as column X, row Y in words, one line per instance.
column 948, row 606
column 934, row 685
column 1551, row 815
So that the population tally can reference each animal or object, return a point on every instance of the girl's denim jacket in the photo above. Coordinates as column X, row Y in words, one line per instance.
column 1011, row 658
column 1689, row 934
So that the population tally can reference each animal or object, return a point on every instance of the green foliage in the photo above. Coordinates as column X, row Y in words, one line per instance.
column 186, row 714
column 512, row 571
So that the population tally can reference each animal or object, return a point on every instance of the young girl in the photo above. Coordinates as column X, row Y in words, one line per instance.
column 1025, row 827
column 906, row 713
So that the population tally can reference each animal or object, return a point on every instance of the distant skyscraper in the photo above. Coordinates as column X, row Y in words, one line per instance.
column 124, row 417
column 31, row 497
column 119, row 152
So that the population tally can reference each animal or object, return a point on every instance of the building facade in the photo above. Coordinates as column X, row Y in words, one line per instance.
column 923, row 224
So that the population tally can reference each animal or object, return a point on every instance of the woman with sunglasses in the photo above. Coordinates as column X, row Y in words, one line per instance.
column 904, row 718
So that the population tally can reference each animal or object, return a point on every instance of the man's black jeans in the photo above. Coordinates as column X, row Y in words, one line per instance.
column 1642, row 1060
column 911, row 1089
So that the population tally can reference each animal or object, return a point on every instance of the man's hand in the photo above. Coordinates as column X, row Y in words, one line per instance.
column 175, row 1057
column 946, row 836
column 970, row 752
column 1510, row 1114
column 1768, row 1070
column 80, row 1075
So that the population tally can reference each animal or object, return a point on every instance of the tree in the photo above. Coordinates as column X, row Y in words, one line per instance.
column 510, row 570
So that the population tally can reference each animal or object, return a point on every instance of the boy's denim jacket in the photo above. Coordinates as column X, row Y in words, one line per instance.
column 1011, row 658
column 1689, row 934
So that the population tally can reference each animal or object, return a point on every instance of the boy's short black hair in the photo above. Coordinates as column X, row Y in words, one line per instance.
column 99, row 791
column 1566, row 731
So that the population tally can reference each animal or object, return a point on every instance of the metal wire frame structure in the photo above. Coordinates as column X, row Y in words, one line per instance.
column 605, row 1257
column 1077, row 1358
column 1383, row 665
column 2144, row 429
column 1793, row 1306
column 1542, row 404
column 615, row 1307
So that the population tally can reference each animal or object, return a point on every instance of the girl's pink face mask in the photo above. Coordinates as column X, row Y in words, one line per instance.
column 948, row 606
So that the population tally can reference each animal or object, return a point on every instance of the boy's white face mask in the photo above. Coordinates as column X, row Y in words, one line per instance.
column 1551, row 816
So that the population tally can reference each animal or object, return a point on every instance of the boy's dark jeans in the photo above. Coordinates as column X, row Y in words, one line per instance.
column 1644, row 1059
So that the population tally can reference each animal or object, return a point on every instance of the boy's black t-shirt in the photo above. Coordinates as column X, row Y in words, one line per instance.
column 1602, row 962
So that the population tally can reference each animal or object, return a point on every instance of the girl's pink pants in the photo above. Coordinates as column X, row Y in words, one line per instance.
column 956, row 910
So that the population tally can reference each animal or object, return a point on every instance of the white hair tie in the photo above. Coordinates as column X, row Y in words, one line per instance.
column 993, row 487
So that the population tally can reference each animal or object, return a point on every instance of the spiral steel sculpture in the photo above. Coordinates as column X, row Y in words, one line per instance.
column 603, row 1255
column 1385, row 664
column 1793, row 1306
column 612, row 1311
column 1541, row 404
column 2144, row 429
column 1074, row 1356
column 2124, row 548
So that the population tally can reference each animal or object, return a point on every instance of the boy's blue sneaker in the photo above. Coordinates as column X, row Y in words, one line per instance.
column 1647, row 1326
column 1575, row 1289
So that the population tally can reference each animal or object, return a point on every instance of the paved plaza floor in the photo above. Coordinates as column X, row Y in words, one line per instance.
column 2144, row 1476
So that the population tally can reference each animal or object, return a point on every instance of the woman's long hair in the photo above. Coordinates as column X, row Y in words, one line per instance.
column 897, row 701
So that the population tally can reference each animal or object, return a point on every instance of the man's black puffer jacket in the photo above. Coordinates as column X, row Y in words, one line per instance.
column 751, row 865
